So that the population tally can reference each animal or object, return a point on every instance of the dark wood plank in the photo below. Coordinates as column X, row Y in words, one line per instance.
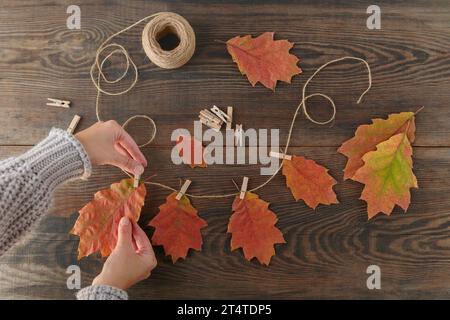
column 326, row 249
column 410, row 60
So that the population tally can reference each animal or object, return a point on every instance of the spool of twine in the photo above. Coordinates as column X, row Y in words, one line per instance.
column 161, row 25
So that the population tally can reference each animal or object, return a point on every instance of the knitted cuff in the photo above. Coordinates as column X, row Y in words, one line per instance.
column 101, row 292
column 58, row 158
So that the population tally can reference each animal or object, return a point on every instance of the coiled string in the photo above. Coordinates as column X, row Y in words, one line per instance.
column 171, row 22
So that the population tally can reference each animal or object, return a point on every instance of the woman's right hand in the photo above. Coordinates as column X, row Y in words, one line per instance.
column 131, row 261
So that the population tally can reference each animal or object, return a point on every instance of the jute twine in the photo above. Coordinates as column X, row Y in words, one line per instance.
column 160, row 24
column 165, row 22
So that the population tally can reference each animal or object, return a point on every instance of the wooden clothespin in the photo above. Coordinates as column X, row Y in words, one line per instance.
column 73, row 124
column 243, row 188
column 238, row 135
column 58, row 103
column 219, row 113
column 136, row 180
column 280, row 155
column 183, row 189
column 230, row 117
column 210, row 120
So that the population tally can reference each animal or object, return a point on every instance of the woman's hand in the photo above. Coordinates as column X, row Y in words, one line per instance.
column 108, row 143
column 131, row 261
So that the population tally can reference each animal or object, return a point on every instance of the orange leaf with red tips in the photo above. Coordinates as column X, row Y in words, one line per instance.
column 264, row 59
column 98, row 221
column 252, row 228
column 191, row 151
column 387, row 175
column 369, row 135
column 309, row 181
column 177, row 227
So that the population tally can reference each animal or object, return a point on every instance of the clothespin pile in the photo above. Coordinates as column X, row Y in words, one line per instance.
column 215, row 118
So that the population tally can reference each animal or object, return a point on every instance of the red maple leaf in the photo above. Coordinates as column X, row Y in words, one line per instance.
column 264, row 59
column 252, row 228
column 177, row 227
column 98, row 221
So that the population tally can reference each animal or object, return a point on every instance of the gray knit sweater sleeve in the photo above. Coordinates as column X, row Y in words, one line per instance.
column 27, row 183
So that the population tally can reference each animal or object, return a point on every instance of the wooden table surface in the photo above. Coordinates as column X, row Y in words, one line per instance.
column 328, row 250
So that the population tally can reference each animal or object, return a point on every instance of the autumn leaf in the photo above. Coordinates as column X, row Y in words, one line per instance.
column 191, row 151
column 368, row 136
column 264, row 59
column 98, row 221
column 387, row 175
column 177, row 227
column 309, row 181
column 252, row 228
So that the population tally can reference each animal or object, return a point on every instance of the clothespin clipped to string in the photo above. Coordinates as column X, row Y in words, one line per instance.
column 238, row 135
column 183, row 189
column 136, row 180
column 58, row 103
column 73, row 124
column 280, row 155
column 243, row 188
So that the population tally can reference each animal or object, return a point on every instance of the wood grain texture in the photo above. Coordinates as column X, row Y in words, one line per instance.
column 327, row 250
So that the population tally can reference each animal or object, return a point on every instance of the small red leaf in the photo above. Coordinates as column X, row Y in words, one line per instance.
column 177, row 227
column 309, row 181
column 252, row 228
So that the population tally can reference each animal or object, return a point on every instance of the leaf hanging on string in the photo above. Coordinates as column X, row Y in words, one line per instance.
column 264, row 59
column 252, row 228
column 309, row 181
column 177, row 227
column 369, row 135
column 98, row 221
column 387, row 175
column 191, row 151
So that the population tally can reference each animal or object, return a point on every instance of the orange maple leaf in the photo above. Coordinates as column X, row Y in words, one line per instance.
column 264, row 59
column 309, row 181
column 387, row 175
column 191, row 151
column 98, row 221
column 369, row 135
column 177, row 227
column 252, row 228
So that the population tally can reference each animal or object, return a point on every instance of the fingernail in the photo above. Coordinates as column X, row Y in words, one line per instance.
column 138, row 170
column 125, row 221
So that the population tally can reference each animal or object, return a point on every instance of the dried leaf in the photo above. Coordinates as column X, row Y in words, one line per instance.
column 192, row 151
column 309, row 181
column 252, row 228
column 387, row 175
column 369, row 135
column 98, row 221
column 263, row 59
column 177, row 227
